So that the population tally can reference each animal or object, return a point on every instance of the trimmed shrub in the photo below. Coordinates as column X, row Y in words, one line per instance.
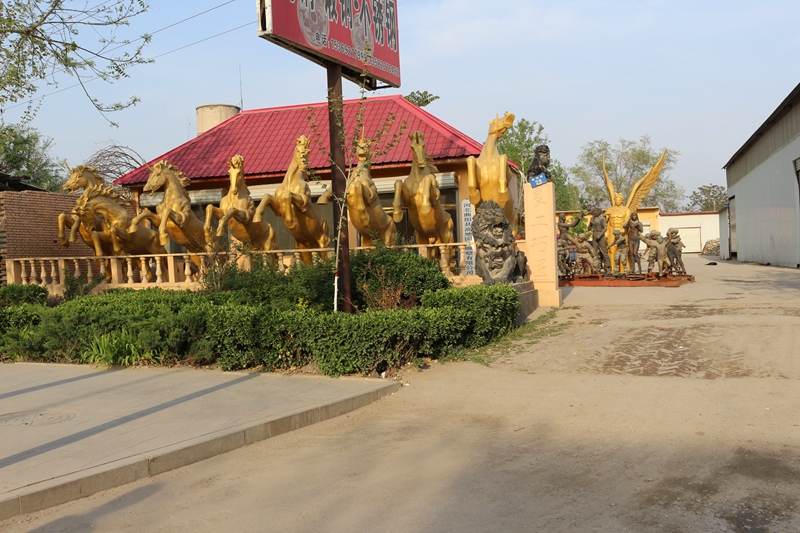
column 374, row 272
column 18, row 294
column 492, row 309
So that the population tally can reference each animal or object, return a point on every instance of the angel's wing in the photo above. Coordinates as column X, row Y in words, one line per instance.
column 609, row 185
column 644, row 185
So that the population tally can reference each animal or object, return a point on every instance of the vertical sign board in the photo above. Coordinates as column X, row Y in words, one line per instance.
column 356, row 34
column 466, row 224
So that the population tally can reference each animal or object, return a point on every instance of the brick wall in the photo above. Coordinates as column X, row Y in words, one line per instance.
column 29, row 226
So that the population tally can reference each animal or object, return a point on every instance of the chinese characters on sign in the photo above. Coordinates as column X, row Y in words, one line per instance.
column 466, row 223
column 354, row 33
column 539, row 179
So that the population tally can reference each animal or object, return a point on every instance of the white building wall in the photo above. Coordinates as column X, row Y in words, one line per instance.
column 768, row 210
column 724, row 252
column 695, row 229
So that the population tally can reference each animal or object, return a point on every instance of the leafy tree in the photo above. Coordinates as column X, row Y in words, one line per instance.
column 421, row 98
column 25, row 152
column 567, row 194
column 519, row 143
column 40, row 39
column 626, row 163
column 708, row 198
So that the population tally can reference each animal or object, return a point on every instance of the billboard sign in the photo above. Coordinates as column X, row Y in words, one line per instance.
column 342, row 31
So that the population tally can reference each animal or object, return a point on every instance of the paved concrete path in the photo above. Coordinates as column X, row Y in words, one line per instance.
column 68, row 431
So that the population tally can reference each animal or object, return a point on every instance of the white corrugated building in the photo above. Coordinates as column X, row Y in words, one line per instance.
column 762, row 221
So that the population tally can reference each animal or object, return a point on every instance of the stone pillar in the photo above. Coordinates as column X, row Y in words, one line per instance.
column 540, row 240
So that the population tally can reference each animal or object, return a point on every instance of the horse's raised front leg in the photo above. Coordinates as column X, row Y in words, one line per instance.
column 146, row 214
column 473, row 181
column 266, row 201
column 73, row 231
column 211, row 212
column 63, row 220
column 163, row 236
column 397, row 203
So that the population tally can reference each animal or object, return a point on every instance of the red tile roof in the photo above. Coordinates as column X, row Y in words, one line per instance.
column 266, row 139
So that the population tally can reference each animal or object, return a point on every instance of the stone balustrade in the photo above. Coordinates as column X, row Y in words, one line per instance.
column 185, row 270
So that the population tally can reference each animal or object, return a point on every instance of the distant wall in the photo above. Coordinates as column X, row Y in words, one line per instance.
column 695, row 228
column 29, row 227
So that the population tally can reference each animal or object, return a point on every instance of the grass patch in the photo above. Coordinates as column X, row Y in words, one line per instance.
column 544, row 326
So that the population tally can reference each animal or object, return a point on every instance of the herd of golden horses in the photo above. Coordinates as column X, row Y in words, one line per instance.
column 105, row 221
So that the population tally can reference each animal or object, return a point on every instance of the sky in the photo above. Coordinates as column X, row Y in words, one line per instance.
column 698, row 77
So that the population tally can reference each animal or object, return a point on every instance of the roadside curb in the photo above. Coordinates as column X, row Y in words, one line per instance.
column 84, row 483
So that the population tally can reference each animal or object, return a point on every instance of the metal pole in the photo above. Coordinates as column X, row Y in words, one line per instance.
column 338, row 179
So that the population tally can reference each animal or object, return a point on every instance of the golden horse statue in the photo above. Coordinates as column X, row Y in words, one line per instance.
column 83, row 177
column 236, row 210
column 618, row 214
column 489, row 177
column 419, row 192
column 174, row 216
column 292, row 202
column 364, row 205
column 114, row 234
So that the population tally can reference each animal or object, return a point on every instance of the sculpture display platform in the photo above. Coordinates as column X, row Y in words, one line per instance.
column 600, row 280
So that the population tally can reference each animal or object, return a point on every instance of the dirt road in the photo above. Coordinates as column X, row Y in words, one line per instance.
column 652, row 410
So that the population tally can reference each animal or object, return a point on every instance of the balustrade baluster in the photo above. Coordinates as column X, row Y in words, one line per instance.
column 23, row 273
column 281, row 264
column 103, row 270
column 129, row 270
column 462, row 260
column 444, row 265
column 53, row 271
column 43, row 272
column 297, row 259
column 77, row 264
column 159, row 273
column 187, row 269
column 314, row 257
column 34, row 276
column 89, row 272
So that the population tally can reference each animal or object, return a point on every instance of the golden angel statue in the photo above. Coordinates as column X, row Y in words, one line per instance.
column 620, row 211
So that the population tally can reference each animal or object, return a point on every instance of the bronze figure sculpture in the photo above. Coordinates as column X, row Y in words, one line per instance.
column 634, row 228
column 586, row 262
column 618, row 213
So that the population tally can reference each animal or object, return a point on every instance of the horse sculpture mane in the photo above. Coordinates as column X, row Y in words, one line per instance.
column 182, row 178
column 105, row 190
column 237, row 162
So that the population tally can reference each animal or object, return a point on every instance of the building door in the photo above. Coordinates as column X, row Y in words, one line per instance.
column 732, row 241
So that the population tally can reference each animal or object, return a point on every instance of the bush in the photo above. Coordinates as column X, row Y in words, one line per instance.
column 18, row 294
column 492, row 309
column 247, row 336
column 305, row 286
column 374, row 273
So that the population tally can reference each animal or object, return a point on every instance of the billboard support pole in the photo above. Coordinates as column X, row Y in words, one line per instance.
column 338, row 179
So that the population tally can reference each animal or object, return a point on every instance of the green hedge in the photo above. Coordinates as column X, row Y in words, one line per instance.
column 194, row 328
column 17, row 294
column 492, row 310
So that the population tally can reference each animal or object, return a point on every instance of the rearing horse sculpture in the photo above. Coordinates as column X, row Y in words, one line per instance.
column 419, row 192
column 292, row 202
column 236, row 210
column 364, row 205
column 174, row 216
column 101, row 214
column 489, row 177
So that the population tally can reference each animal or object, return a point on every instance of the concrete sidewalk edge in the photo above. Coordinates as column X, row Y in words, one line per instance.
column 84, row 483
